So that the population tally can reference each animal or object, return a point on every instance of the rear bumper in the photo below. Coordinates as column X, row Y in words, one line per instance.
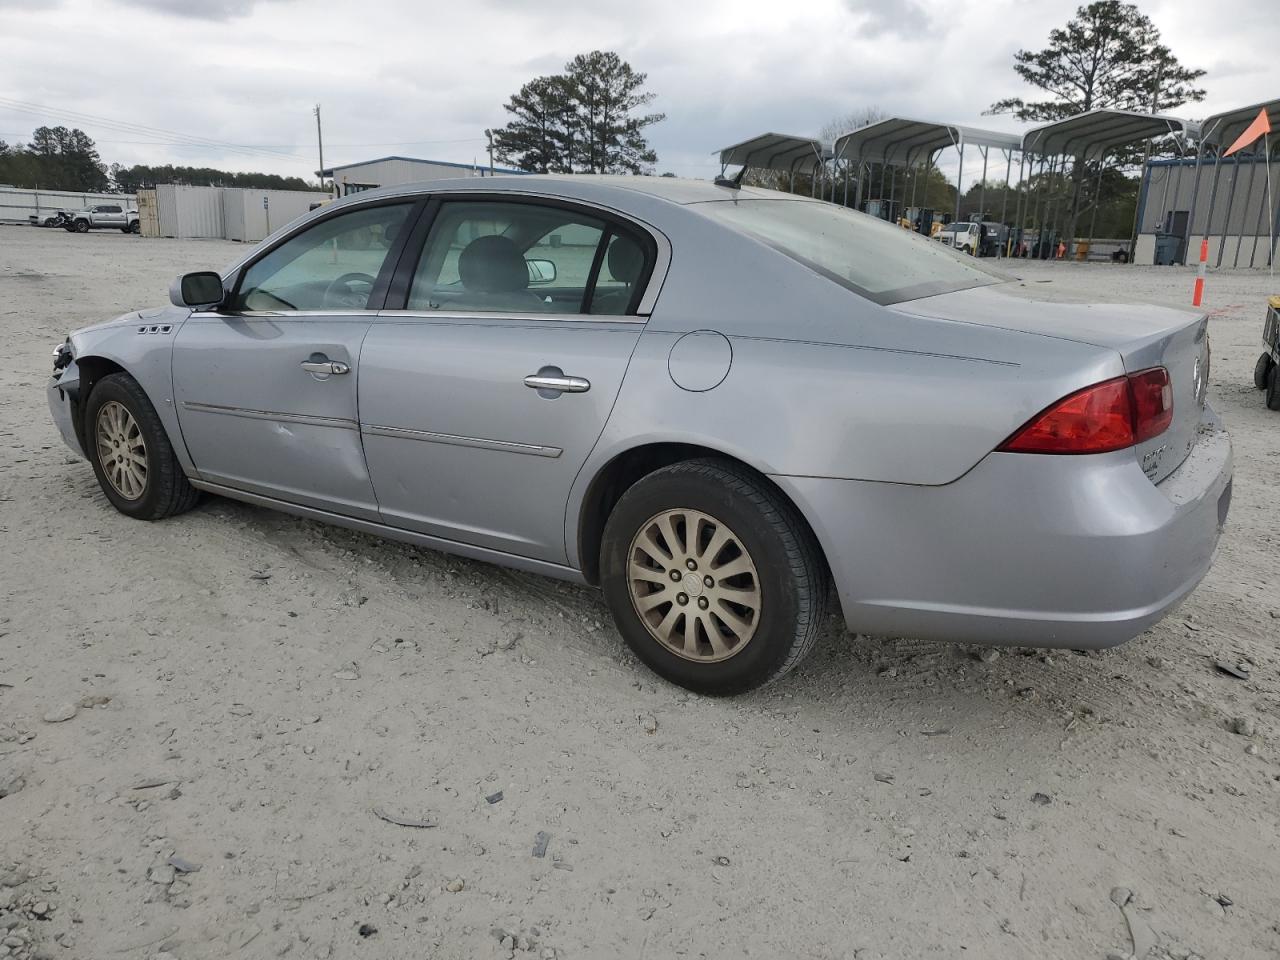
column 1079, row 552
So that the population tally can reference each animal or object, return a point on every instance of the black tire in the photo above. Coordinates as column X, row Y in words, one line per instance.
column 1123, row 256
column 135, row 227
column 1273, row 388
column 792, row 578
column 82, row 226
column 166, row 491
column 1261, row 369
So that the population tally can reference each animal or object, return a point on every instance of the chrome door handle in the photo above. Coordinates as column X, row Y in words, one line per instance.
column 325, row 366
column 561, row 384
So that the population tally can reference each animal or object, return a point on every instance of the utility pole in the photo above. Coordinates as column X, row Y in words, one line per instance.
column 489, row 134
column 320, row 144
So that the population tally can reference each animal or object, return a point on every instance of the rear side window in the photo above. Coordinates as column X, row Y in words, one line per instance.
column 331, row 265
column 524, row 258
column 873, row 258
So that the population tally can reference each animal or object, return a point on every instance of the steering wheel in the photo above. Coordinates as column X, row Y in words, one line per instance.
column 339, row 293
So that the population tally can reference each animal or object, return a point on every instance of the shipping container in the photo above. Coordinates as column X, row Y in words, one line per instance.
column 252, row 215
column 188, row 212
column 148, row 214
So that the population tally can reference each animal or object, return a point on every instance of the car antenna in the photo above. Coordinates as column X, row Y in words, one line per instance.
column 733, row 184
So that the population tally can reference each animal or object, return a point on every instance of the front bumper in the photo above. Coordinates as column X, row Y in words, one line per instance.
column 62, row 407
column 1078, row 552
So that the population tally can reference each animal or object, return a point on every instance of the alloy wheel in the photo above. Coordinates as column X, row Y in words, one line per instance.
column 694, row 585
column 121, row 450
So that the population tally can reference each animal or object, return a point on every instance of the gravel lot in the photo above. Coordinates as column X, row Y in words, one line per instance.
column 248, row 688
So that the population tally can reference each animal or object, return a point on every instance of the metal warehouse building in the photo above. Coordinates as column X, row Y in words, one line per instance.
column 392, row 171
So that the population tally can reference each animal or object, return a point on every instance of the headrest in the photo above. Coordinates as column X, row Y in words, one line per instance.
column 492, row 265
column 626, row 260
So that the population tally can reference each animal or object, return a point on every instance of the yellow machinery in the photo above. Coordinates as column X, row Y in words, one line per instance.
column 1266, row 375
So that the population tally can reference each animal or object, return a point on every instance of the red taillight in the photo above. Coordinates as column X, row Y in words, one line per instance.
column 1107, row 416
column 1152, row 403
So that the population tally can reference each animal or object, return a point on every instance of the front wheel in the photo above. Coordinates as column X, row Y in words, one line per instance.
column 1273, row 388
column 713, row 578
column 131, row 454
column 1261, row 369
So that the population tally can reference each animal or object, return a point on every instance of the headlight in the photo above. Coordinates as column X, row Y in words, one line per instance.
column 62, row 355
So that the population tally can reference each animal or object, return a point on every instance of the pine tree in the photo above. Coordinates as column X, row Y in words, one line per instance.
column 1108, row 56
column 538, row 137
column 581, row 121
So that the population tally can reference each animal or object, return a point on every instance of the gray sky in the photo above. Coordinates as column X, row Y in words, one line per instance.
column 393, row 71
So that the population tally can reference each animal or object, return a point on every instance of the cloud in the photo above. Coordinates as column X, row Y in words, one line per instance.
column 902, row 17
column 214, row 10
column 392, row 79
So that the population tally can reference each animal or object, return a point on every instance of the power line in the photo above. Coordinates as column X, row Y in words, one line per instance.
column 176, row 139
column 172, row 137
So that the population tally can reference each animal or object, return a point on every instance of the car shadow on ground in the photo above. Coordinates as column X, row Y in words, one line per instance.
column 855, row 677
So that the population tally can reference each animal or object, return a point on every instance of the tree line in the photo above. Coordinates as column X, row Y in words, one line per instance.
column 57, row 158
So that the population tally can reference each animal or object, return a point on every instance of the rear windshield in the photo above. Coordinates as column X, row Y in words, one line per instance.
column 871, row 257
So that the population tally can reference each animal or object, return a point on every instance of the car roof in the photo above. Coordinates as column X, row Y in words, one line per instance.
column 677, row 190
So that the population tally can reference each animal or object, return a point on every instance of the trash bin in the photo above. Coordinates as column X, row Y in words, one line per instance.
column 1082, row 251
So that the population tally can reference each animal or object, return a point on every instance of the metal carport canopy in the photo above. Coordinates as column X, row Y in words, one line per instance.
column 1091, row 134
column 1223, row 128
column 900, row 141
column 777, row 151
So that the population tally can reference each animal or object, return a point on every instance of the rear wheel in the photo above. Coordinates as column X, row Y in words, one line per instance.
column 1273, row 388
column 712, row 577
column 135, row 227
column 1261, row 369
column 131, row 454
column 82, row 226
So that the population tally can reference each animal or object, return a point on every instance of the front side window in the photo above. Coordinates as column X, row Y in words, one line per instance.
column 513, row 257
column 332, row 265
column 875, row 259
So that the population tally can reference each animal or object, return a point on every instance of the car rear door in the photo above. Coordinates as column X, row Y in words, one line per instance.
column 267, row 387
column 482, row 394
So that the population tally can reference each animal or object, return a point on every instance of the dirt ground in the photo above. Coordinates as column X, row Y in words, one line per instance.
column 249, row 688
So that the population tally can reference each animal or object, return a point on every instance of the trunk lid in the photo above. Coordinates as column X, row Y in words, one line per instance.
column 1144, row 335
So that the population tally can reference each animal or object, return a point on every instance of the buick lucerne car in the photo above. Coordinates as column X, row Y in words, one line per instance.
column 725, row 406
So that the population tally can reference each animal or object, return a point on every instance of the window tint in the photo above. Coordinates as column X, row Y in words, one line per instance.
column 620, row 271
column 332, row 265
column 873, row 258
column 512, row 257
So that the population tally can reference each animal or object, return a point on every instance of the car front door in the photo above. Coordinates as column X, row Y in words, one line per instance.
column 266, row 387
column 487, row 381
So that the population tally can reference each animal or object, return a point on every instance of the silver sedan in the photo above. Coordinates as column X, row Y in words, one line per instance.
column 716, row 403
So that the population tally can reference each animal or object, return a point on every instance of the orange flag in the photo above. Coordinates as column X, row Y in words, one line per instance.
column 1256, row 129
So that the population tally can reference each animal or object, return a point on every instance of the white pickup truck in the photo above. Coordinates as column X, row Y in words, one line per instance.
column 103, row 216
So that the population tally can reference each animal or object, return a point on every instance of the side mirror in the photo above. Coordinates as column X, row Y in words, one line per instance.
column 541, row 271
column 196, row 290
